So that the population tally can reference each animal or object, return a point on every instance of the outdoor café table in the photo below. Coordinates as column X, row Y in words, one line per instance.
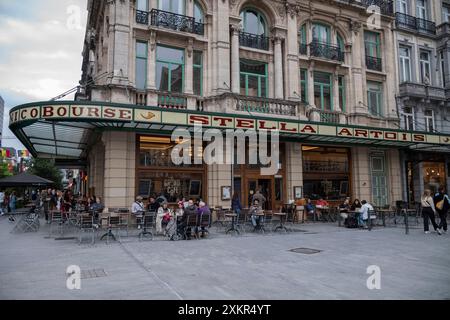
column 233, row 217
column 282, row 216
column 323, row 210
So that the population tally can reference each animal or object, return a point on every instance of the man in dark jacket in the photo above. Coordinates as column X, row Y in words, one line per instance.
column 153, row 205
column 190, row 210
column 442, row 210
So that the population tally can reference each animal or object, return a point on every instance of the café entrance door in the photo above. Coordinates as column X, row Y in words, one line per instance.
column 265, row 186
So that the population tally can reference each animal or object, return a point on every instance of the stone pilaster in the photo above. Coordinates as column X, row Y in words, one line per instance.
column 278, row 66
column 119, row 170
column 294, row 168
column 235, row 84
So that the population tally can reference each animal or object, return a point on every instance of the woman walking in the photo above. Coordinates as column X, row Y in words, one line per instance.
column 428, row 211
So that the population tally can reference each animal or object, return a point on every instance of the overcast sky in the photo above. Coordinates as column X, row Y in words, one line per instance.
column 40, row 52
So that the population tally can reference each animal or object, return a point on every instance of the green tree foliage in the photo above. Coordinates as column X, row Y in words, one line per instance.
column 4, row 171
column 45, row 168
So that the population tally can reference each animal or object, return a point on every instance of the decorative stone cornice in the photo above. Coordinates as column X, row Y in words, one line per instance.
column 355, row 26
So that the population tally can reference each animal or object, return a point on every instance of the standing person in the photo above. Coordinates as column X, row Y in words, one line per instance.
column 153, row 205
column 137, row 208
column 442, row 204
column 236, row 204
column 2, row 200
column 364, row 213
column 45, row 199
column 190, row 210
column 428, row 211
column 260, row 197
column 12, row 205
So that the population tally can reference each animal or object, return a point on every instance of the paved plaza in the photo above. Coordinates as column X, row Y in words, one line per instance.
column 251, row 266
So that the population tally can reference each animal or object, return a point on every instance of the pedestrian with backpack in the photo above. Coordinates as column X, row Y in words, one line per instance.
column 442, row 204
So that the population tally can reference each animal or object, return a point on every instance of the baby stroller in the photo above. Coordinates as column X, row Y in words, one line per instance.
column 173, row 229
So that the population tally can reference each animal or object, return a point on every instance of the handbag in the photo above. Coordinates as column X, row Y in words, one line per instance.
column 440, row 204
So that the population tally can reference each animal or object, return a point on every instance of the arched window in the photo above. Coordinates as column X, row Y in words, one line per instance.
column 340, row 42
column 302, row 39
column 253, row 22
column 198, row 13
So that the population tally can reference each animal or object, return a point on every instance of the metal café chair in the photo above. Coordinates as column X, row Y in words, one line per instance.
column 86, row 224
column 147, row 224
column 241, row 220
column 56, row 217
column 205, row 222
column 191, row 223
column 266, row 221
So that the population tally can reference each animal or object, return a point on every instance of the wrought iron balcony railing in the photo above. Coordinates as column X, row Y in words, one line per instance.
column 323, row 50
column 178, row 22
column 253, row 41
column 329, row 116
column 426, row 26
column 386, row 6
column 374, row 63
column 141, row 17
column 410, row 22
column 303, row 48
column 172, row 100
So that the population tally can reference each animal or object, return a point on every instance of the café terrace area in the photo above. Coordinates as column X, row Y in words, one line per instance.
column 309, row 260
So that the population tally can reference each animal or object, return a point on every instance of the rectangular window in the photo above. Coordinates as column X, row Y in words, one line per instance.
column 253, row 78
column 321, row 33
column 421, row 9
column 341, row 92
column 445, row 13
column 375, row 98
column 425, row 67
column 442, row 68
column 141, row 65
column 198, row 73
column 429, row 120
column 304, row 84
column 402, row 6
column 372, row 44
column 169, row 69
column 408, row 117
column 142, row 5
column 323, row 91
column 174, row 6
column 405, row 64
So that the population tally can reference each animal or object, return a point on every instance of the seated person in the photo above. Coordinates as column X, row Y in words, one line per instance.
column 202, row 209
column 309, row 208
column 355, row 205
column 344, row 208
column 189, row 210
column 322, row 203
column 364, row 214
column 162, row 217
column 254, row 210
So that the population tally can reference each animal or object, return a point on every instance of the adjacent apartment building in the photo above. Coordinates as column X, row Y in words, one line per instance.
column 323, row 73
column 422, row 35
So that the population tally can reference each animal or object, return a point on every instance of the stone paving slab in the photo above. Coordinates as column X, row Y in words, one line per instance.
column 251, row 266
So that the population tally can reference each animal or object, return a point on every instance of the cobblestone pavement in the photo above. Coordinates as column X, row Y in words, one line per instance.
column 250, row 266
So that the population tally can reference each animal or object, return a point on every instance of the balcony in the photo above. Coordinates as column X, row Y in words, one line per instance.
column 172, row 100
column 303, row 48
column 266, row 105
column 386, row 6
column 405, row 21
column 334, row 117
column 177, row 22
column 253, row 41
column 142, row 17
column 443, row 29
column 374, row 63
column 326, row 51
column 421, row 91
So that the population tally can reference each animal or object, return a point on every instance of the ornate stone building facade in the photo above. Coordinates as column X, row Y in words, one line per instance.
column 322, row 73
